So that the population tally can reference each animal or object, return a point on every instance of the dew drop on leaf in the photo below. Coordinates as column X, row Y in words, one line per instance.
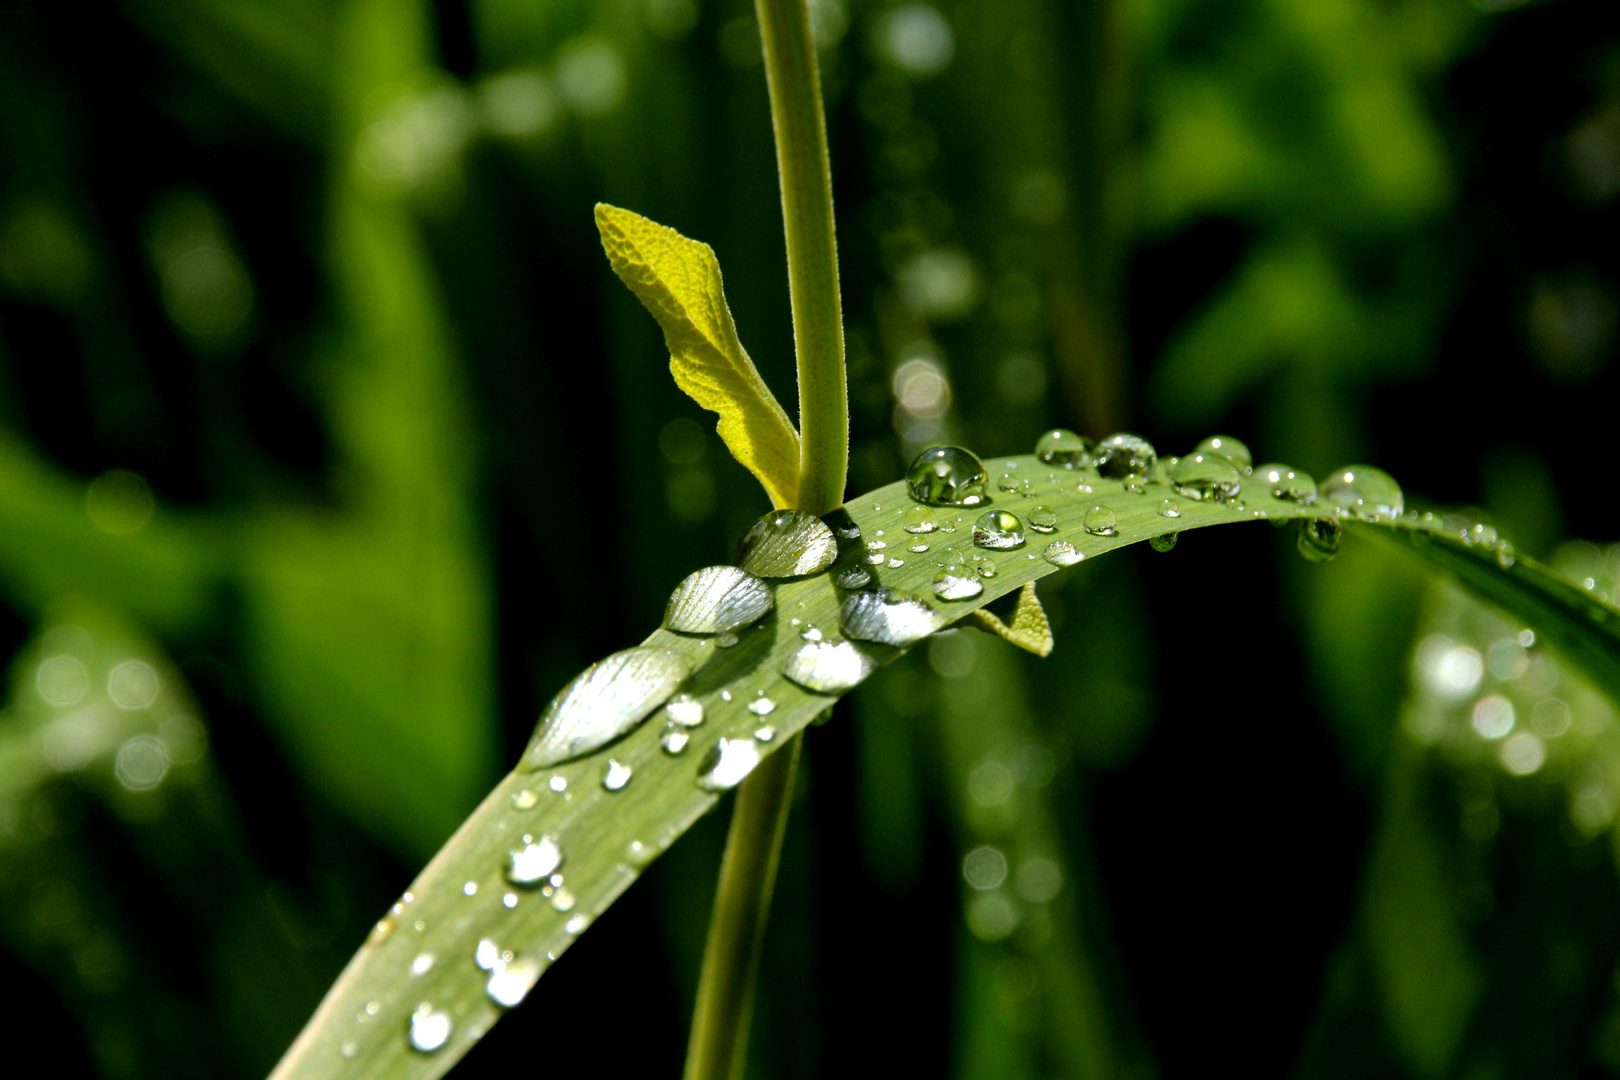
column 674, row 742
column 684, row 710
column 617, row 775
column 1367, row 492
column 430, row 1029
column 1229, row 448
column 787, row 543
column 510, row 981
column 1043, row 519
column 1101, row 521
column 946, row 476
column 1123, row 456
column 1169, row 508
column 1207, row 476
column 954, row 582
column 717, row 598
column 535, row 861
column 606, row 700
column 1286, row 483
column 1060, row 446
column 524, row 799
column 888, row 617
column 1062, row 553
column 918, row 519
column 1163, row 542
column 727, row 763
column 1319, row 538
column 998, row 530
column 762, row 705
column 828, row 667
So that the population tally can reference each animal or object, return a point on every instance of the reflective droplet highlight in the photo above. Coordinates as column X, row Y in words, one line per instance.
column 1367, row 492
column 1227, row 447
column 1101, row 521
column 727, row 763
column 617, row 775
column 715, row 599
column 1286, row 483
column 684, row 710
column 762, row 706
column 947, row 476
column 1124, row 456
column 605, row 701
column 828, row 667
column 1062, row 553
column 534, row 861
column 887, row 616
column 1043, row 519
column 510, row 981
column 998, row 530
column 787, row 543
column 429, row 1029
column 1207, row 476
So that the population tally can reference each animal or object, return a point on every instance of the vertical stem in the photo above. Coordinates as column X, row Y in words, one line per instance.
column 718, row 1049
column 812, row 250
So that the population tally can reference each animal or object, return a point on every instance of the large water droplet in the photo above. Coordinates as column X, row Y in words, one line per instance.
column 715, row 599
column 761, row 705
column 510, row 981
column 1227, row 447
column 727, row 763
column 1163, row 542
column 918, row 519
column 605, row 701
column 684, row 710
column 1101, row 521
column 535, row 861
column 1319, row 538
column 787, row 543
column 955, row 582
column 429, row 1029
column 1126, row 456
column 1043, row 519
column 947, row 476
column 828, row 667
column 1286, row 483
column 888, row 616
column 1369, row 493
column 998, row 530
column 617, row 775
column 853, row 577
column 1062, row 553
column 1207, row 476
column 1060, row 446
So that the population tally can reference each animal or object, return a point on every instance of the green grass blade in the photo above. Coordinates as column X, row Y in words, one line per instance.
column 423, row 950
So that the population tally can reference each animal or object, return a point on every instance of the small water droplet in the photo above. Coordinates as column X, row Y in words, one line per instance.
column 1062, row 553
column 854, row 577
column 727, row 763
column 1043, row 519
column 1084, row 489
column 1061, row 446
column 558, row 783
column 1207, row 476
column 1009, row 482
column 1505, row 556
column 349, row 1048
column 1368, row 493
column 674, row 742
column 1229, row 448
column 1163, row 542
column 828, row 667
column 487, row 954
column 887, row 616
column 562, row 900
column 524, row 799
column 511, row 980
column 617, row 775
column 875, row 558
column 725, row 695
column 422, row 964
column 998, row 530
column 1125, row 456
column 470, row 889
column 918, row 548
column 605, row 701
column 918, row 519
column 1319, row 538
column 509, row 900
column 717, row 598
column 1287, row 483
column 762, row 705
column 429, row 1029
column 1169, row 508
column 985, row 567
column 955, row 583
column 380, row 931
column 577, row 924
column 1101, row 521
column 811, row 634
column 787, row 543
column 877, row 545
column 684, row 710
column 946, row 476
column 765, row 733
column 534, row 861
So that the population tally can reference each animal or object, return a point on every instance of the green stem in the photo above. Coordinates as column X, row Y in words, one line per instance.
column 718, row 1049
column 812, row 250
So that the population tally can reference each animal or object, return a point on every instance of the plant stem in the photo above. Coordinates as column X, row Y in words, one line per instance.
column 812, row 250
column 718, row 1049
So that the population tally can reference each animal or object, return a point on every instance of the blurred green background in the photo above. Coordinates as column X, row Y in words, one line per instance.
column 330, row 448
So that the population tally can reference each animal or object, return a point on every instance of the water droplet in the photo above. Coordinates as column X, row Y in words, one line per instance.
column 470, row 889
column 1043, row 519
column 562, row 900
column 534, row 861
column 1207, row 476
column 1164, row 542
column 717, row 598
column 787, row 543
column 1287, row 483
column 487, row 954
column 674, row 742
column 725, row 695
column 947, row 476
column 349, row 1048
column 918, row 548
column 827, row 667
column 1101, row 521
column 1060, row 446
column 510, row 982
column 684, row 710
column 1228, row 448
column 1124, row 456
column 617, row 775
column 895, row 564
column 606, row 700
column 1062, row 553
column 888, row 616
column 1370, row 494
column 1009, row 482
column 764, row 733
column 811, row 634
column 422, row 965
column 956, row 582
column 1504, row 555
column 918, row 519
column 558, row 783
column 524, row 799
column 509, row 900
column 875, row 558
column 998, row 530
column 1319, row 538
column 577, row 924
column 429, row 1029
column 379, row 932
column 726, row 639
column 1169, row 508
column 727, row 763
column 985, row 567
column 762, row 705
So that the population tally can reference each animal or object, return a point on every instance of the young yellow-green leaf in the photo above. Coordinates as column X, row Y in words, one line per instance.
column 1030, row 629
column 678, row 280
